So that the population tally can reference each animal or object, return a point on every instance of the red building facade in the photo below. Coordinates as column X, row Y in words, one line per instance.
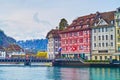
column 76, row 38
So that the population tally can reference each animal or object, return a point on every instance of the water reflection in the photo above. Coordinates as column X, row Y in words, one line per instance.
column 104, row 73
column 59, row 73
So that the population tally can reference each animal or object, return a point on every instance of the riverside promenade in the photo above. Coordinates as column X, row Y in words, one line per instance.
column 82, row 63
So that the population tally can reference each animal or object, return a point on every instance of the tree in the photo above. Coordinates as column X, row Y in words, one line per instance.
column 63, row 23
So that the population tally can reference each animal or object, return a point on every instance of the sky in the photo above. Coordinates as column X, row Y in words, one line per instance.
column 33, row 19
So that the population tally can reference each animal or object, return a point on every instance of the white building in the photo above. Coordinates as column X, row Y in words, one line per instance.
column 103, row 36
column 2, row 52
column 53, row 43
column 14, row 49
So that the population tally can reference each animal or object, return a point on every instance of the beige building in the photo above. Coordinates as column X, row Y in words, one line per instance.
column 103, row 36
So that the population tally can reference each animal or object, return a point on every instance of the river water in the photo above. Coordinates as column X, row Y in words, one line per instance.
column 58, row 73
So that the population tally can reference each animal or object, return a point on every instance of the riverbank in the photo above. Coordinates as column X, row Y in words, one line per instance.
column 66, row 63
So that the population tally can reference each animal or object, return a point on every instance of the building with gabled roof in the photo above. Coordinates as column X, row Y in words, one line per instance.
column 103, row 36
column 53, row 43
column 14, row 49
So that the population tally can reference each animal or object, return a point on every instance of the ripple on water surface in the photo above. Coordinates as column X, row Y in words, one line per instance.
column 58, row 73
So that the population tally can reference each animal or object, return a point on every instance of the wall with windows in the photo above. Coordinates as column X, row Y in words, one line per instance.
column 76, row 42
column 103, row 40
column 53, row 46
column 117, row 27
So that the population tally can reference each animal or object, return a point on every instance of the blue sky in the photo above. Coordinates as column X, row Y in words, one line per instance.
column 32, row 19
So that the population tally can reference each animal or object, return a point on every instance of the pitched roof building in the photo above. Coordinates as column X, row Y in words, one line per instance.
column 53, row 43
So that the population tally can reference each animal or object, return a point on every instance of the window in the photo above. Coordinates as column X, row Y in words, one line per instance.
column 106, row 44
column 66, row 41
column 102, row 29
column 75, row 41
column 100, row 57
column 81, row 33
column 94, row 38
column 94, row 30
column 86, row 39
column 66, row 34
column 111, row 43
column 81, row 40
column 63, row 35
column 99, row 29
column 118, row 48
column 95, row 57
column 99, row 44
column 111, row 37
column 75, row 33
column 106, row 29
column 56, row 49
column 118, row 39
column 102, row 44
column 112, row 22
column 118, row 31
column 119, row 24
column 94, row 44
column 70, row 41
column 99, row 37
column 106, row 37
column 56, row 44
column 105, row 57
column 102, row 37
column 81, row 47
column 70, row 34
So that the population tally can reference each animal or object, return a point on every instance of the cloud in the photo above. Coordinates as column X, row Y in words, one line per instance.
column 29, row 19
column 36, row 18
column 22, row 25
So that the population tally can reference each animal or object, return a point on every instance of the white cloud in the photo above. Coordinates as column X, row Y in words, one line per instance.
column 22, row 25
column 29, row 19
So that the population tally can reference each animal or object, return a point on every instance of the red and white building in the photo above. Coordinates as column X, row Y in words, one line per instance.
column 76, row 38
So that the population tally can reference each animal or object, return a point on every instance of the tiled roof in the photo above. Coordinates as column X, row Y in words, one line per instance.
column 14, row 47
column 54, row 33
column 89, row 20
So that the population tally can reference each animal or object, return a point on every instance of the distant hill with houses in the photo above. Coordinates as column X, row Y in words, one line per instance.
column 30, row 45
column 34, row 45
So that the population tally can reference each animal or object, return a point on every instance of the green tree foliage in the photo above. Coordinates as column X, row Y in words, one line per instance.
column 63, row 23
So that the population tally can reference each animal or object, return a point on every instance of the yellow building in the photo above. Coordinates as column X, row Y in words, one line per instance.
column 42, row 55
column 117, row 27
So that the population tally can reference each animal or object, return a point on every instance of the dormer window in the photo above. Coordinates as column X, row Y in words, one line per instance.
column 87, row 25
column 87, row 19
column 112, row 22
column 95, row 24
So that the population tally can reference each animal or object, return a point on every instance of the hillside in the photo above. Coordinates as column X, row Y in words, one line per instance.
column 36, row 44
column 6, row 40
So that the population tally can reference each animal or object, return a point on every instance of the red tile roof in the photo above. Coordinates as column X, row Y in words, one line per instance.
column 14, row 47
column 89, row 21
column 54, row 32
